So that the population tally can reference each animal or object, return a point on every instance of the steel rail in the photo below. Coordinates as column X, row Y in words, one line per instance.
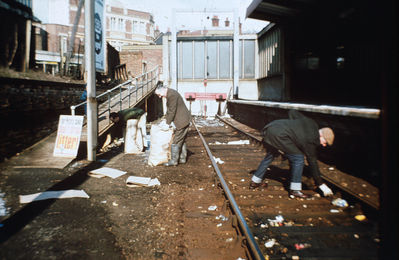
column 253, row 245
column 323, row 176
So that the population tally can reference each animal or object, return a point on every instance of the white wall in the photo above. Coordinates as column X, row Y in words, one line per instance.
column 248, row 89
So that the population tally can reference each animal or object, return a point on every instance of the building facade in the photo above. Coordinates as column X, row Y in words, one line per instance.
column 123, row 27
column 205, row 67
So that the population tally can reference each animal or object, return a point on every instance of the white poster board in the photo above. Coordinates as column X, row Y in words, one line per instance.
column 68, row 136
column 99, row 35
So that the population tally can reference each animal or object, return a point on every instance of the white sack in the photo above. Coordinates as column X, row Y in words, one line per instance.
column 159, row 147
column 134, row 135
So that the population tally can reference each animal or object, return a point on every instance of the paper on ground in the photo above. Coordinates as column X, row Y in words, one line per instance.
column 63, row 194
column 105, row 171
column 239, row 142
column 135, row 181
column 154, row 182
column 218, row 160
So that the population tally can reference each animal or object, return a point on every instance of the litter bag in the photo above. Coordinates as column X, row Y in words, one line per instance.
column 159, row 145
column 134, row 135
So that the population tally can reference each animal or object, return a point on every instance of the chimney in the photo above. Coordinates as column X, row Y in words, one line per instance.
column 227, row 22
column 215, row 21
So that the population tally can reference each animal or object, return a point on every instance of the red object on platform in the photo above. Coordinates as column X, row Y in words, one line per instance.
column 205, row 96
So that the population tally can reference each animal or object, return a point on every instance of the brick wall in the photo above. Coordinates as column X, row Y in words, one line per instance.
column 134, row 57
column 133, row 61
column 31, row 95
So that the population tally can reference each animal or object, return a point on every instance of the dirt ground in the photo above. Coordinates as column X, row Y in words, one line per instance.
column 36, row 75
column 170, row 221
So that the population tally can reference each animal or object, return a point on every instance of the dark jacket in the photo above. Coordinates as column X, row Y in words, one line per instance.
column 130, row 113
column 177, row 111
column 124, row 115
column 296, row 135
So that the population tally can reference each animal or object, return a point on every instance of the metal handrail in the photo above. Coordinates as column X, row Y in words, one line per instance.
column 138, row 83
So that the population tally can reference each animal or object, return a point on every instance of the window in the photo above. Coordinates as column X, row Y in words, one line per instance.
column 224, row 59
column 142, row 28
column 199, row 59
column 113, row 23
column 211, row 56
column 213, row 59
column 249, row 59
column 121, row 24
column 187, row 60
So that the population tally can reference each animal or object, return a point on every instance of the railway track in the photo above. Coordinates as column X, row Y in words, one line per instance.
column 276, row 226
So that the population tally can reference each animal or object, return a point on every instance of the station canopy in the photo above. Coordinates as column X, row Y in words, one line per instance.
column 277, row 11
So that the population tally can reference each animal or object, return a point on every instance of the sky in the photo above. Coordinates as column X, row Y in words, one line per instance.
column 162, row 12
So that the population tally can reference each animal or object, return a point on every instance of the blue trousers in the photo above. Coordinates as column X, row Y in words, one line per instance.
column 296, row 161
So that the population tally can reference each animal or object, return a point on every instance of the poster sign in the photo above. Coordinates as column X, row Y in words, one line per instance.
column 99, row 35
column 68, row 136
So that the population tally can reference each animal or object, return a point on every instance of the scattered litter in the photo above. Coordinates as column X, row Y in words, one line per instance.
column 334, row 210
column 104, row 201
column 331, row 168
column 289, row 223
column 106, row 172
column 222, row 218
column 212, row 208
column 201, row 189
column 238, row 142
column 300, row 246
column 277, row 222
column 218, row 160
column 242, row 180
column 63, row 194
column 240, row 258
column 360, row 217
column 229, row 240
column 340, row 203
column 219, row 225
column 295, row 257
column 154, row 182
column 135, row 181
column 270, row 243
column 115, row 204
column 263, row 225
